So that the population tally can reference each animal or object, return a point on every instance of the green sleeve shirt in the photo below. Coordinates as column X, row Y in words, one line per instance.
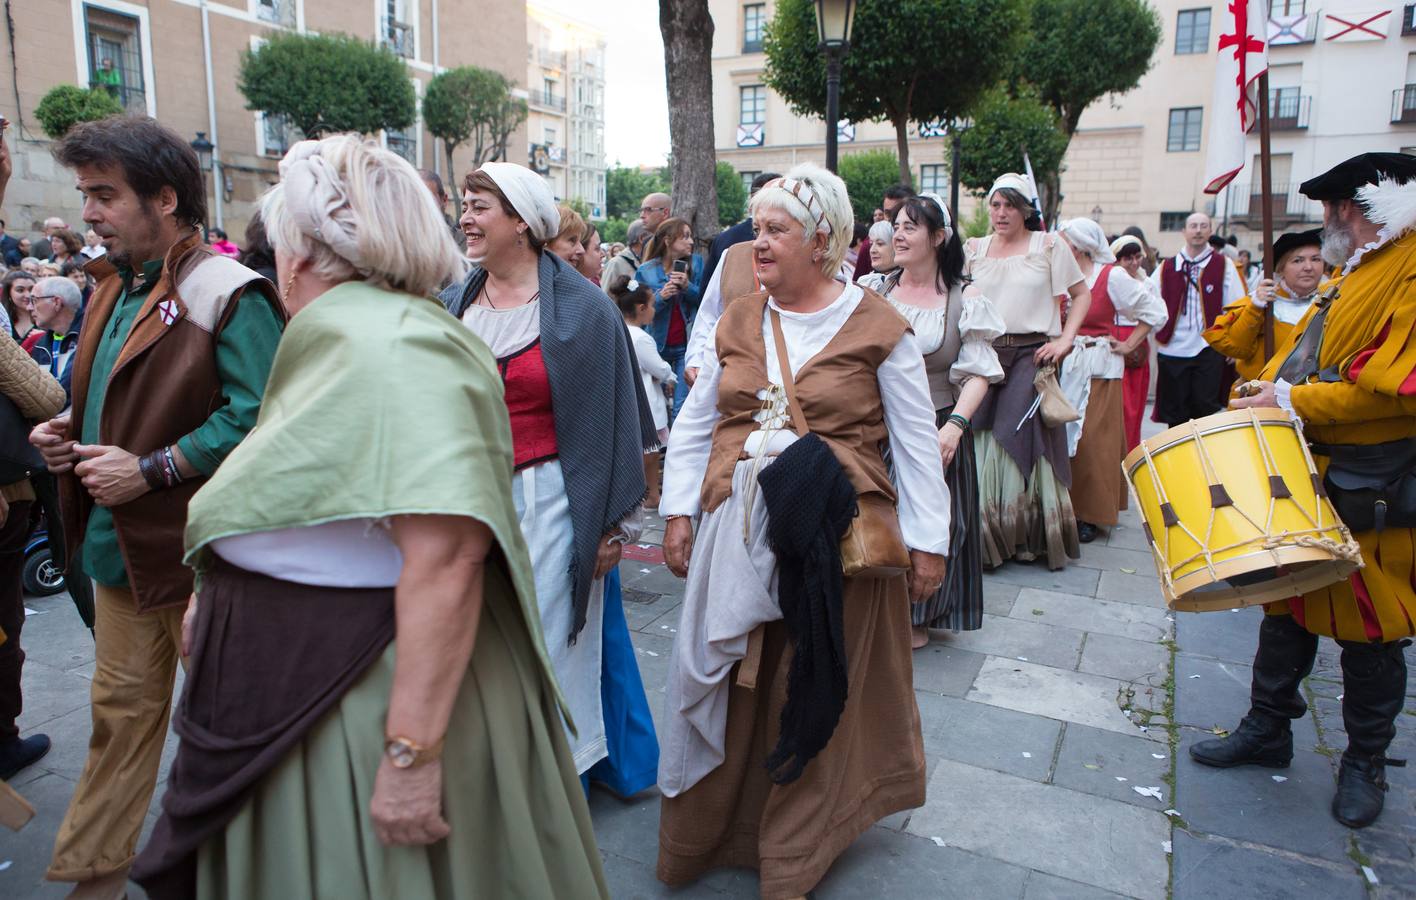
column 244, row 351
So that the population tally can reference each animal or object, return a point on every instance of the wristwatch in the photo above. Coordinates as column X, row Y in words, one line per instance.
column 405, row 753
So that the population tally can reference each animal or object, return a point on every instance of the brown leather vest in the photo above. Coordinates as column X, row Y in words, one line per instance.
column 739, row 275
column 838, row 391
column 164, row 385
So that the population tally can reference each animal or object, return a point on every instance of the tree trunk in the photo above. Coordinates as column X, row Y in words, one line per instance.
column 687, row 28
column 902, row 147
column 453, row 185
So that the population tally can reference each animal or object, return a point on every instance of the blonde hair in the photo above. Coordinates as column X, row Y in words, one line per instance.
column 572, row 225
column 403, row 242
column 828, row 192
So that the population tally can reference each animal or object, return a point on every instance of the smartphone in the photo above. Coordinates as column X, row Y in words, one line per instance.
column 681, row 265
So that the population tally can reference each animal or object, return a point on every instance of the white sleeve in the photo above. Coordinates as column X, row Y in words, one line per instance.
column 705, row 321
column 979, row 326
column 1132, row 300
column 690, row 443
column 914, row 446
column 649, row 359
column 1234, row 289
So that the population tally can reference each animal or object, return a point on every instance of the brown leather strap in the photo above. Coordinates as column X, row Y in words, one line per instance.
column 798, row 417
column 751, row 661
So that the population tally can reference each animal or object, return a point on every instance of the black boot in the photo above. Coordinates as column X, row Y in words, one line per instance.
column 1373, row 694
column 1265, row 738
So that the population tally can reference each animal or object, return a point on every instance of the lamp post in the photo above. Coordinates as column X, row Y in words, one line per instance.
column 834, row 19
column 203, row 148
column 956, row 132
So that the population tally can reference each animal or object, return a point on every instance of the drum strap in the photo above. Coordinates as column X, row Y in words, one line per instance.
column 1302, row 362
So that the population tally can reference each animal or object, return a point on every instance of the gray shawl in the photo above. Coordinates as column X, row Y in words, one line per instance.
column 603, row 423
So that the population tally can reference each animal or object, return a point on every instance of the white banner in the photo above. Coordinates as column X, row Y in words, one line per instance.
column 1243, row 57
column 1356, row 25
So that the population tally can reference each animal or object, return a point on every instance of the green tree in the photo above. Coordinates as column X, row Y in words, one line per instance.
column 613, row 230
column 326, row 83
column 67, row 105
column 470, row 103
column 1079, row 51
column 626, row 188
column 1003, row 128
column 910, row 60
column 732, row 196
column 867, row 174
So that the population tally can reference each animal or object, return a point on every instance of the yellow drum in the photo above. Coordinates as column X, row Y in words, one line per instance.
column 1235, row 512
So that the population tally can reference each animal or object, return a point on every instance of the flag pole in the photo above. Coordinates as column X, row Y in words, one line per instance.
column 1266, row 181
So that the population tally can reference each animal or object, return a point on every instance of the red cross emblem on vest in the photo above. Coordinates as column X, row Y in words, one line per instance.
column 167, row 310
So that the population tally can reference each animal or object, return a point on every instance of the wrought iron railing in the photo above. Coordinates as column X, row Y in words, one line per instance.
column 1403, row 105
column 1289, row 110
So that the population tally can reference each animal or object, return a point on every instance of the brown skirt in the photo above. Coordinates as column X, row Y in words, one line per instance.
column 1098, row 486
column 873, row 765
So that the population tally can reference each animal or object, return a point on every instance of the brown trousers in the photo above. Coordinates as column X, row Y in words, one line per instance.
column 136, row 657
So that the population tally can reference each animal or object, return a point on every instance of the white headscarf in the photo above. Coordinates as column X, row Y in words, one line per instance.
column 1087, row 236
column 1015, row 181
column 1124, row 241
column 943, row 213
column 317, row 203
column 529, row 196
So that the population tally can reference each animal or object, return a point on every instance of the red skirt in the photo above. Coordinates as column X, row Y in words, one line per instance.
column 1135, row 387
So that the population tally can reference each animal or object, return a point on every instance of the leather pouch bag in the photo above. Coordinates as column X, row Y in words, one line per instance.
column 18, row 458
column 873, row 546
column 1055, row 408
column 1373, row 487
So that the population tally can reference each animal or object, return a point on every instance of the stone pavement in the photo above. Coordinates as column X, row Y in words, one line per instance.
column 1055, row 738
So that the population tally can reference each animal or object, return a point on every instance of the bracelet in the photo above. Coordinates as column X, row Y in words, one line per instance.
column 151, row 473
column 172, row 465
column 959, row 420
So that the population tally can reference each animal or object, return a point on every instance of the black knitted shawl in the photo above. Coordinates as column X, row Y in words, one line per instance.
column 810, row 504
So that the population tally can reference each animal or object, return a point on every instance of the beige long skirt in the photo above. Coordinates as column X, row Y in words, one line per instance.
column 1098, row 487
column 872, row 766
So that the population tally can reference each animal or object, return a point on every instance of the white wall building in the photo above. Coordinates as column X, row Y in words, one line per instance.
column 566, row 94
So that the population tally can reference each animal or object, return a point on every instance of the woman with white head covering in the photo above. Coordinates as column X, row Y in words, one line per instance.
column 1092, row 377
column 778, row 443
column 1023, row 469
column 369, row 709
column 882, row 255
column 1130, row 253
column 580, row 424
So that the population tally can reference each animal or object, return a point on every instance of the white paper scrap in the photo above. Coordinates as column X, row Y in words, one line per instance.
column 1366, row 870
column 1158, row 755
column 1027, row 755
column 1165, row 845
column 1194, row 676
column 1119, row 778
column 651, row 652
column 1279, row 778
column 1173, row 812
column 1148, row 792
column 1023, row 658
column 938, row 841
column 7, row 863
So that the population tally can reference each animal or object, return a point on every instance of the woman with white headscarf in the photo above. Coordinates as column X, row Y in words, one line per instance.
column 791, row 723
column 580, row 424
column 1130, row 253
column 1092, row 377
column 369, row 709
column 1023, row 470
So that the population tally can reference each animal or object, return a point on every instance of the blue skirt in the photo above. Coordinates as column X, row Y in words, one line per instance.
column 633, row 763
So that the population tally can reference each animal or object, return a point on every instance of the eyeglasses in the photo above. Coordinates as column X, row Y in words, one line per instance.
column 647, row 209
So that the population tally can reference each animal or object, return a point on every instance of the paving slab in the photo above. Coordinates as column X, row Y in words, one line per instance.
column 1092, row 759
column 1125, row 659
column 1087, row 839
column 1042, row 886
column 56, row 635
column 49, row 693
column 1247, row 803
column 1128, row 537
column 887, row 864
column 1128, row 620
column 631, row 880
column 1206, row 869
column 942, row 668
column 1071, row 580
column 1097, row 555
column 1054, row 693
column 1142, row 588
column 999, row 596
column 1212, row 693
column 1231, row 635
column 1033, row 641
column 988, row 736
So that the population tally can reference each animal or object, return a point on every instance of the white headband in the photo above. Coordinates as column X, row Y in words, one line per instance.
column 803, row 194
column 1087, row 236
column 528, row 195
column 1016, row 182
column 1119, row 245
column 317, row 203
column 943, row 212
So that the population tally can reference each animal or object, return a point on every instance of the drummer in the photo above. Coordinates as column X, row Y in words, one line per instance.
column 1238, row 333
column 1348, row 370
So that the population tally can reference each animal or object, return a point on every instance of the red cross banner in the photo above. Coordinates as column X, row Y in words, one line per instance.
column 1243, row 57
column 1355, row 25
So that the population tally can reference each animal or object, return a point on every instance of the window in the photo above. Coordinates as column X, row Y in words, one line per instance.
column 280, row 12
column 549, row 135
column 1287, row 7
column 747, row 179
column 115, row 56
column 1192, row 31
column 934, row 178
column 1173, row 221
column 1184, row 134
column 398, row 32
column 404, row 143
column 754, row 19
column 277, row 134
column 752, row 104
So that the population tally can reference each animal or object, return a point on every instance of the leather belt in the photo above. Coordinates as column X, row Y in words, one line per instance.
column 1020, row 340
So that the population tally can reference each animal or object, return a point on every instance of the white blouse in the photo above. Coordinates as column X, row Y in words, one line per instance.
column 505, row 330
column 1132, row 301
column 909, row 420
column 1024, row 288
column 979, row 326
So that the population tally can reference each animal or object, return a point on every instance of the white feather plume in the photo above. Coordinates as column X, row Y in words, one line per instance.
column 1390, row 204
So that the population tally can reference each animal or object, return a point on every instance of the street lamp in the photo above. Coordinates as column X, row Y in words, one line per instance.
column 834, row 19
column 203, row 149
column 956, row 134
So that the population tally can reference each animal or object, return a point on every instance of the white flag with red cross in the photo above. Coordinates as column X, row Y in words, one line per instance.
column 1243, row 57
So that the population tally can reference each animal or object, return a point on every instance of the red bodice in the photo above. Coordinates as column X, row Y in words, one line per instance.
column 528, row 401
column 1100, row 320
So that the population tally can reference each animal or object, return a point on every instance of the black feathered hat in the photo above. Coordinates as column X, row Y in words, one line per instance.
column 1343, row 180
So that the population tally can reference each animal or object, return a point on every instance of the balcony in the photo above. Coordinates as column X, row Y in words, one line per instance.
column 398, row 37
column 1289, row 110
column 1289, row 207
column 551, row 59
column 1403, row 105
column 1408, row 20
column 548, row 100
column 277, row 12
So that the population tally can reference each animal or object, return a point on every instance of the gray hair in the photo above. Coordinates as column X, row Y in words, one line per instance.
column 638, row 233
column 881, row 231
column 62, row 288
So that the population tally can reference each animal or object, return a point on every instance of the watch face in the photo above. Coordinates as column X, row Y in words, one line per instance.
column 401, row 755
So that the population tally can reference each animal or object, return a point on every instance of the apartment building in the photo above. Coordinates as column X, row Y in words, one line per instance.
column 150, row 54
column 565, row 81
column 756, row 131
column 1342, row 81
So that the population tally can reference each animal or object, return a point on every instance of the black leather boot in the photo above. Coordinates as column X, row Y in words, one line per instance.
column 1373, row 694
column 1265, row 738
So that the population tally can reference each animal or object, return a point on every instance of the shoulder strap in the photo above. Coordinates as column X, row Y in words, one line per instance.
column 798, row 418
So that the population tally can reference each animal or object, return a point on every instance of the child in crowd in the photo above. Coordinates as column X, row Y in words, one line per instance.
column 636, row 304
